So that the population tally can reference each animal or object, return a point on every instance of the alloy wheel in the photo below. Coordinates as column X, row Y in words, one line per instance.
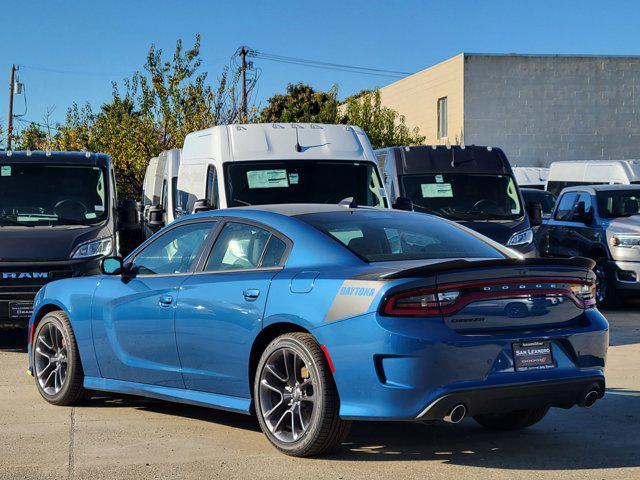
column 51, row 359
column 286, row 392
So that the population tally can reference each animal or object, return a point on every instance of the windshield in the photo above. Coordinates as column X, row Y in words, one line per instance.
column 464, row 196
column 546, row 199
column 307, row 181
column 388, row 236
column 618, row 203
column 36, row 194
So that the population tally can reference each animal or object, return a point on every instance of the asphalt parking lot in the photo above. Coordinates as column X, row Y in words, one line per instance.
column 119, row 437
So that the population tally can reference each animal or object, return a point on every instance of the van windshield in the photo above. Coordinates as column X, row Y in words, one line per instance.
column 618, row 203
column 306, row 181
column 464, row 196
column 36, row 194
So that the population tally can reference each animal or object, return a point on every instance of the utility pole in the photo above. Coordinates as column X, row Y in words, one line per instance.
column 243, row 55
column 10, row 122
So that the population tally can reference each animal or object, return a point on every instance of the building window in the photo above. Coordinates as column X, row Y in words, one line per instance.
column 442, row 117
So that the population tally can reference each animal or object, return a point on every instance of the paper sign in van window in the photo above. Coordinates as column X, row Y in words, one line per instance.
column 436, row 190
column 5, row 171
column 439, row 178
column 293, row 178
column 267, row 178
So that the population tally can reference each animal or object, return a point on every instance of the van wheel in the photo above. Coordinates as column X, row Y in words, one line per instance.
column 56, row 361
column 514, row 420
column 296, row 399
column 606, row 294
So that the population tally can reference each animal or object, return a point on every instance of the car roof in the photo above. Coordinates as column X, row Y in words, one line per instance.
column 294, row 209
column 40, row 156
column 600, row 188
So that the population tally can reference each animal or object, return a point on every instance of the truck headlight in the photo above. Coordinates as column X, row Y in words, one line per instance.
column 94, row 248
column 524, row 237
column 625, row 241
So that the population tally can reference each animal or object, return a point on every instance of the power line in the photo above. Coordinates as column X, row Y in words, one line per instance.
column 327, row 65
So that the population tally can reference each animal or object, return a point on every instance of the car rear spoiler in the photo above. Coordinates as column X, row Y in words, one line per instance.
column 461, row 264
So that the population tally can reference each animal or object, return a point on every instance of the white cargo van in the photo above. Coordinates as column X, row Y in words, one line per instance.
column 258, row 164
column 592, row 172
column 531, row 177
column 160, row 200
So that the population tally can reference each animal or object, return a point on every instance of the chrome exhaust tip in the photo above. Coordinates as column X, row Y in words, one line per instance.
column 590, row 398
column 456, row 414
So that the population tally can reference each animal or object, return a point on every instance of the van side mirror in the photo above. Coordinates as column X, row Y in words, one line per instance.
column 403, row 203
column 202, row 205
column 128, row 216
column 111, row 266
column 155, row 216
column 535, row 214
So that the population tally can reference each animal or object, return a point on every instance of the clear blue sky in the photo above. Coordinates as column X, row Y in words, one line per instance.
column 107, row 40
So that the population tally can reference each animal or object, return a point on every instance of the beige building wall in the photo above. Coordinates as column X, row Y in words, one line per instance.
column 416, row 97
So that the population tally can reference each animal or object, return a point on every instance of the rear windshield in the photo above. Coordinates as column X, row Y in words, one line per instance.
column 308, row 181
column 378, row 236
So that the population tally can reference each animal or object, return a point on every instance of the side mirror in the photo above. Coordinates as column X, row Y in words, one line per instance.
column 403, row 203
column 111, row 266
column 155, row 216
column 202, row 205
column 128, row 217
column 535, row 214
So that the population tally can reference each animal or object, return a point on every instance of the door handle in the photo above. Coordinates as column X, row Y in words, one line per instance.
column 251, row 294
column 166, row 300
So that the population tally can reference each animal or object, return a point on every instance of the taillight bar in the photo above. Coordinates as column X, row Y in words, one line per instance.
column 450, row 298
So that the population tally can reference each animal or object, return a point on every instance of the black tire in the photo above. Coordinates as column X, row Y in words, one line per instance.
column 325, row 429
column 71, row 391
column 606, row 294
column 514, row 420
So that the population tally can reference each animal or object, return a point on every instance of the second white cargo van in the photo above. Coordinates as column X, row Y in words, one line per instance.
column 592, row 172
column 259, row 164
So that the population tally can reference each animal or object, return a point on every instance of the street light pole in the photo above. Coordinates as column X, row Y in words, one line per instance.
column 10, row 120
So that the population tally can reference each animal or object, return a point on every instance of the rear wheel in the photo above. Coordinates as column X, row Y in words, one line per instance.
column 513, row 420
column 296, row 399
column 57, row 368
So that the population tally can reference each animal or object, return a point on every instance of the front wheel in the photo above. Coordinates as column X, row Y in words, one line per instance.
column 514, row 420
column 296, row 399
column 606, row 294
column 56, row 361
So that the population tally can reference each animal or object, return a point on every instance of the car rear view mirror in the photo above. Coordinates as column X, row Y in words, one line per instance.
column 155, row 216
column 111, row 266
column 128, row 216
column 403, row 203
column 535, row 214
column 202, row 205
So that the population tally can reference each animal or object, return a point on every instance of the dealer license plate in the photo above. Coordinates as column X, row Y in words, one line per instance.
column 20, row 309
column 534, row 355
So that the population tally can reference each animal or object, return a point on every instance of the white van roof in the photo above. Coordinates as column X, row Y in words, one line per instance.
column 271, row 141
column 526, row 176
column 604, row 171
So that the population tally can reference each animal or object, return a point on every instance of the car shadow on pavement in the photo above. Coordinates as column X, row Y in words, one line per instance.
column 13, row 340
column 605, row 436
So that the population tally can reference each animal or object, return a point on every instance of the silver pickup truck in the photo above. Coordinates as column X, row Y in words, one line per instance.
column 601, row 222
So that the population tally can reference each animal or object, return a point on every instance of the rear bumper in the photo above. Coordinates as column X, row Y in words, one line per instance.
column 394, row 368
column 564, row 394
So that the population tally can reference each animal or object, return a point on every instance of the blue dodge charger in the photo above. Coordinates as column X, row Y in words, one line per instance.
column 313, row 316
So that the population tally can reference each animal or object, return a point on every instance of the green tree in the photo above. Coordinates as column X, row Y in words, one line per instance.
column 32, row 138
column 384, row 126
column 302, row 103
column 151, row 111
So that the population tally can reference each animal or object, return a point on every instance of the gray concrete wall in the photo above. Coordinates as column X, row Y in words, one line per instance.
column 540, row 109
